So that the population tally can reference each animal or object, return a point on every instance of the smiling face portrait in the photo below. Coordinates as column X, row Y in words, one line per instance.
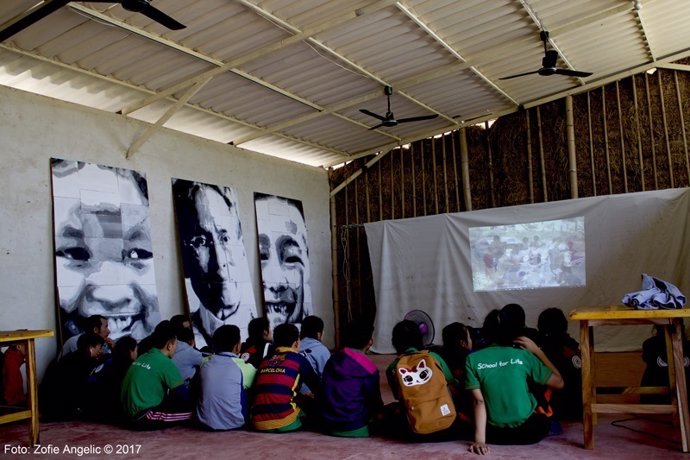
column 214, row 259
column 284, row 255
column 103, row 251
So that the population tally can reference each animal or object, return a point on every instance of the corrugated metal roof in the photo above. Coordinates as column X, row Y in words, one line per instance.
column 288, row 78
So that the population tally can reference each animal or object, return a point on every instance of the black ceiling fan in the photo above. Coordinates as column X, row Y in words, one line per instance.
column 389, row 119
column 41, row 10
column 548, row 64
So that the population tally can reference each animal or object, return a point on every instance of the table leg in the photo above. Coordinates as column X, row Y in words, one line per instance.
column 681, row 389
column 32, row 390
column 587, row 384
column 668, row 337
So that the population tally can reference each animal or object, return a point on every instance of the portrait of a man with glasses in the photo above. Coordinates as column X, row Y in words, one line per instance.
column 216, row 272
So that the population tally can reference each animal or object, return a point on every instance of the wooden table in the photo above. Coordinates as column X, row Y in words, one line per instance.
column 672, row 320
column 27, row 338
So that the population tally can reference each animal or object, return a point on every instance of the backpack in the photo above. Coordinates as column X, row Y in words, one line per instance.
column 424, row 393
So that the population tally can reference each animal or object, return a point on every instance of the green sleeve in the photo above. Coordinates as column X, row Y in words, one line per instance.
column 447, row 373
column 171, row 375
column 248, row 372
column 539, row 372
column 471, row 380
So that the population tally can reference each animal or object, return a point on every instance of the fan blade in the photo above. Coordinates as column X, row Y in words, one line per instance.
column 377, row 126
column 419, row 118
column 33, row 16
column 550, row 59
column 573, row 73
column 519, row 75
column 161, row 18
column 372, row 114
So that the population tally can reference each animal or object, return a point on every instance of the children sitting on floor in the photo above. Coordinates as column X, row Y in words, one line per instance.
column 498, row 376
column 564, row 352
column 186, row 357
column 153, row 392
column 654, row 354
column 109, row 380
column 408, row 342
column 351, row 395
column 68, row 384
column 12, row 380
column 457, row 344
column 225, row 380
column 258, row 344
column 277, row 405
column 310, row 346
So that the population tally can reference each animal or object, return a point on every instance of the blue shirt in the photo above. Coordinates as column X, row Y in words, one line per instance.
column 187, row 359
column 317, row 354
column 223, row 401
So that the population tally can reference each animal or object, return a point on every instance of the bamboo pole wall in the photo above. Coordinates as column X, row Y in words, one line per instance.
column 626, row 137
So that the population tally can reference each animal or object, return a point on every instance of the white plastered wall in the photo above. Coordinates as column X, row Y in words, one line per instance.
column 35, row 128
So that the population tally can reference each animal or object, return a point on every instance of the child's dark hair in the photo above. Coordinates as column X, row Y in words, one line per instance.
column 357, row 334
column 552, row 322
column 93, row 322
column 226, row 338
column 162, row 334
column 179, row 320
column 284, row 335
column 256, row 329
column 504, row 326
column 184, row 334
column 406, row 334
column 88, row 340
column 453, row 334
column 312, row 326
column 516, row 314
column 123, row 348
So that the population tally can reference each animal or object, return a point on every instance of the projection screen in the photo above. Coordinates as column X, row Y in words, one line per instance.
column 427, row 262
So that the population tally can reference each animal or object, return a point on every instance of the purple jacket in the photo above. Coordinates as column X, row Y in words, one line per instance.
column 351, row 393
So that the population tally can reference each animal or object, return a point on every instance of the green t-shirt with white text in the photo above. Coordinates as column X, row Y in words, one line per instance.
column 147, row 381
column 502, row 374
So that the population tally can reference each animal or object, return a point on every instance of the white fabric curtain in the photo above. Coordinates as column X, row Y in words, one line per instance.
column 425, row 263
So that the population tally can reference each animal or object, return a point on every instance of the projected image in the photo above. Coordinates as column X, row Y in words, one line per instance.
column 529, row 256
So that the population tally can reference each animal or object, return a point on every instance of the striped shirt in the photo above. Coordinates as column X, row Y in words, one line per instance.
column 277, row 382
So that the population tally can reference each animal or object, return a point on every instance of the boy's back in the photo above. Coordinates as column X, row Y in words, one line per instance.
column 351, row 392
column 276, row 385
column 147, row 381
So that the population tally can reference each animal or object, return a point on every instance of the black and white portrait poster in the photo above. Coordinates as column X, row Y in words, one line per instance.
column 216, row 271
column 103, row 253
column 284, row 255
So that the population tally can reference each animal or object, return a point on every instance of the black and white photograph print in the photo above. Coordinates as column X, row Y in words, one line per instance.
column 103, row 252
column 284, row 254
column 216, row 272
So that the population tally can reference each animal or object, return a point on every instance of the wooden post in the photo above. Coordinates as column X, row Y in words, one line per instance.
column 530, row 168
column 639, row 134
column 620, row 129
column 434, row 170
column 414, row 182
column 570, row 134
column 464, row 158
column 445, row 172
column 682, row 125
column 402, row 182
column 421, row 154
column 491, row 165
column 380, row 192
column 663, row 118
column 542, row 163
column 392, row 155
column 335, row 272
column 606, row 138
column 651, row 130
column 587, row 384
column 455, row 172
column 591, row 144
